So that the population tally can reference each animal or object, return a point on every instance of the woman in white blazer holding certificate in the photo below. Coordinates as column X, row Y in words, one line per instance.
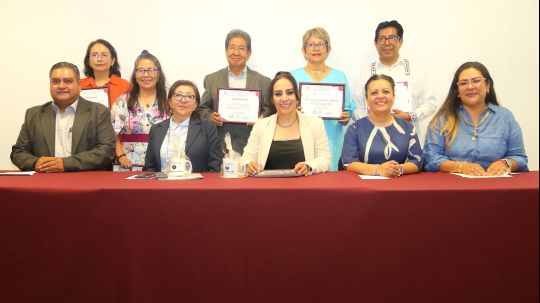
column 287, row 139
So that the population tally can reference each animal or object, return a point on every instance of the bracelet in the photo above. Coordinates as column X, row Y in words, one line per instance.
column 122, row 155
column 413, row 116
column 375, row 170
column 507, row 162
column 460, row 165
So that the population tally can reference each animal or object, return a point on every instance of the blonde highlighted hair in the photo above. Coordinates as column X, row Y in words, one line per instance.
column 317, row 32
column 447, row 116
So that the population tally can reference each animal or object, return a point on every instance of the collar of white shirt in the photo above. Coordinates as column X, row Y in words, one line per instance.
column 242, row 75
column 184, row 123
column 73, row 106
column 399, row 62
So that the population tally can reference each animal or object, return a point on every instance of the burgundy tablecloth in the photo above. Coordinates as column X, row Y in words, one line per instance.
column 97, row 237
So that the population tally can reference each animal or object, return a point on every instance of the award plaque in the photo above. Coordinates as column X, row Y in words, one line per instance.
column 324, row 100
column 238, row 105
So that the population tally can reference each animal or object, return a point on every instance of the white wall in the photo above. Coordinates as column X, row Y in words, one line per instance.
column 188, row 38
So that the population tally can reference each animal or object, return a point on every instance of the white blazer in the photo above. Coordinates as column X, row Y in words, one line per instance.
column 314, row 141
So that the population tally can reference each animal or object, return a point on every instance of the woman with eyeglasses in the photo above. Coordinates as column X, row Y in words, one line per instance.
column 287, row 139
column 135, row 112
column 316, row 48
column 185, row 129
column 102, row 68
column 471, row 134
column 381, row 144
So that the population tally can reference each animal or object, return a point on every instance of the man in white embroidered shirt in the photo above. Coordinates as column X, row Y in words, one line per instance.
column 414, row 100
column 67, row 134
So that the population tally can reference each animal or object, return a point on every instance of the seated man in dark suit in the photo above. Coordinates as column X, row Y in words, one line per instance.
column 235, row 75
column 67, row 134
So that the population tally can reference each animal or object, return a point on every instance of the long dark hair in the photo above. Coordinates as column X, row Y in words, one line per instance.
column 447, row 115
column 115, row 68
column 161, row 91
column 279, row 76
column 195, row 89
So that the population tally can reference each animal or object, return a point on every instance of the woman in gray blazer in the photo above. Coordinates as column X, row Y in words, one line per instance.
column 185, row 130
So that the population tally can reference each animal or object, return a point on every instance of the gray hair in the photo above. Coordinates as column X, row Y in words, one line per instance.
column 71, row 66
column 238, row 33
column 317, row 32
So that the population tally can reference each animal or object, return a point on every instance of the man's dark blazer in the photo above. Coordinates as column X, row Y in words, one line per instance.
column 92, row 144
column 202, row 145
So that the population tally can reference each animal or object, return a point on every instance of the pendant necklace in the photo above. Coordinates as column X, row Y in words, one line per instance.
column 476, row 125
column 287, row 125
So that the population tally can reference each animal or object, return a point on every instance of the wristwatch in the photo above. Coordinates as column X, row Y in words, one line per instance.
column 310, row 170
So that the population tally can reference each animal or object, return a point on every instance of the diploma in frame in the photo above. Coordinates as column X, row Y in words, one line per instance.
column 324, row 100
column 238, row 105
column 96, row 94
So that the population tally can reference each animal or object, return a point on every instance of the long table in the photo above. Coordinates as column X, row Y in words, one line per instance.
column 430, row 237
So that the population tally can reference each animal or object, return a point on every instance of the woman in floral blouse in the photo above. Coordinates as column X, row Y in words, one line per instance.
column 135, row 112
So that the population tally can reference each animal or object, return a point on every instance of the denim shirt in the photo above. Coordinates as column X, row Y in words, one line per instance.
column 498, row 137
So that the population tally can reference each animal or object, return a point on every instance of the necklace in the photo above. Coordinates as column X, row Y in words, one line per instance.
column 317, row 72
column 287, row 125
column 146, row 104
column 475, row 125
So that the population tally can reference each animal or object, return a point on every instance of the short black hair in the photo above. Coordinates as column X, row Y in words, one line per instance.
column 380, row 77
column 387, row 24
column 238, row 33
column 71, row 66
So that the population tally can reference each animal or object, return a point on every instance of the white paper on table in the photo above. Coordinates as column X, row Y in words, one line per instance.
column 369, row 177
column 119, row 168
column 322, row 100
column 481, row 177
column 239, row 105
column 186, row 177
column 99, row 95
column 17, row 173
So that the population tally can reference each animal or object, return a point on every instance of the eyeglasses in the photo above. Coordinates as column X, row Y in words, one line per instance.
column 313, row 45
column 151, row 71
column 233, row 49
column 103, row 56
column 474, row 82
column 180, row 97
column 392, row 39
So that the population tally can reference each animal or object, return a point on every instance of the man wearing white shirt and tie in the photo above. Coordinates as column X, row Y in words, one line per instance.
column 414, row 96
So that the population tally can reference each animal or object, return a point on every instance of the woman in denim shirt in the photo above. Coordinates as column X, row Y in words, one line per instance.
column 471, row 134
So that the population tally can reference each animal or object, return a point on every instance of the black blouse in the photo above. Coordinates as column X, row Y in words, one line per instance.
column 285, row 154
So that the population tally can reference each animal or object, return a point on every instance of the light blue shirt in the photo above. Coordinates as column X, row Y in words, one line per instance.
column 64, row 129
column 498, row 137
column 238, row 81
column 334, row 130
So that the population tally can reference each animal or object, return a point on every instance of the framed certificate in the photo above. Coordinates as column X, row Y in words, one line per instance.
column 324, row 100
column 238, row 105
column 96, row 94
